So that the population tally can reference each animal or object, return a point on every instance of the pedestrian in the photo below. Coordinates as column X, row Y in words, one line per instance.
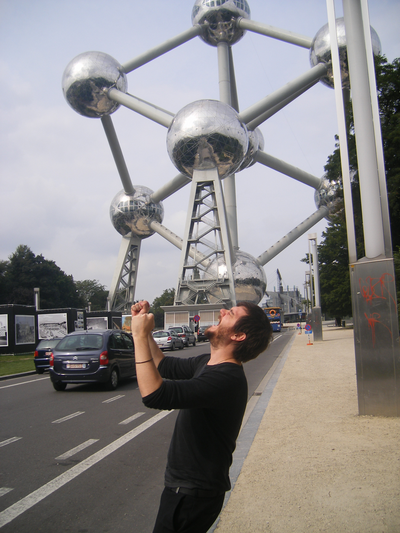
column 210, row 391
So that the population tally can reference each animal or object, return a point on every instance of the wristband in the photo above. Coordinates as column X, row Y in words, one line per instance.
column 141, row 362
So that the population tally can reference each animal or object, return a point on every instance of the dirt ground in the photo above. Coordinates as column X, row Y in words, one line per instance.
column 315, row 464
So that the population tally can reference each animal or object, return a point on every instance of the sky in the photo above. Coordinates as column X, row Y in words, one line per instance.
column 57, row 173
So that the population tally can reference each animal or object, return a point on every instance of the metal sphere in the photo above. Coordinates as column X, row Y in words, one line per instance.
column 86, row 81
column 248, row 275
column 207, row 134
column 256, row 144
column 131, row 214
column 327, row 196
column 218, row 19
column 320, row 51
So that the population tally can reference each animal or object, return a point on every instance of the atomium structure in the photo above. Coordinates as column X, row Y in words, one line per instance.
column 209, row 142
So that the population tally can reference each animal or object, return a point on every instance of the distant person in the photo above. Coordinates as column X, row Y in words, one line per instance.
column 211, row 392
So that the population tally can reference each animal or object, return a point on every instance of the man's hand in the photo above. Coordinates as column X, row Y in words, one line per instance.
column 140, row 308
column 142, row 323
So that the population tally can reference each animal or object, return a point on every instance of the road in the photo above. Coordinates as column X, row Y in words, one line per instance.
column 88, row 460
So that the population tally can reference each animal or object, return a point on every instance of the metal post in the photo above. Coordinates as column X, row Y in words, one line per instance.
column 37, row 298
column 373, row 288
column 226, row 84
column 316, row 310
column 364, row 130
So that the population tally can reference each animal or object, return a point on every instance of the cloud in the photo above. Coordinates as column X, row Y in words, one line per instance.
column 58, row 175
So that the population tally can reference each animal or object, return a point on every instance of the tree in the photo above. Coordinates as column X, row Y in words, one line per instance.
column 333, row 250
column 25, row 271
column 92, row 291
column 3, row 281
column 167, row 298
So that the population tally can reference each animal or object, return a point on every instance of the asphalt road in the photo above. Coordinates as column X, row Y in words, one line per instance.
column 88, row 460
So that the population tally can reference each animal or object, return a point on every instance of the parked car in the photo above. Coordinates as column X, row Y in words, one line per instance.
column 185, row 333
column 93, row 356
column 200, row 334
column 41, row 357
column 168, row 340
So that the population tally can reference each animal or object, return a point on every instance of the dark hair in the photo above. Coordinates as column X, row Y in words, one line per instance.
column 258, row 330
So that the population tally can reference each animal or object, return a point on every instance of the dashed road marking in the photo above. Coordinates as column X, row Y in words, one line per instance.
column 9, row 441
column 131, row 418
column 75, row 450
column 40, row 494
column 68, row 417
column 114, row 398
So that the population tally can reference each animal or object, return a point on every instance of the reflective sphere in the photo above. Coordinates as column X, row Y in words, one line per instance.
column 218, row 19
column 327, row 195
column 249, row 278
column 207, row 134
column 320, row 51
column 132, row 213
column 86, row 81
column 256, row 143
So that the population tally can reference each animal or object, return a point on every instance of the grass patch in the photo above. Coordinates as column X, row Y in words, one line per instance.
column 14, row 364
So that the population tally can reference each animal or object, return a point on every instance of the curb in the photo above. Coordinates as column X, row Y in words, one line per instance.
column 11, row 376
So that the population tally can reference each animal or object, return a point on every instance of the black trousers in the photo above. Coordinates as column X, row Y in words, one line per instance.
column 181, row 513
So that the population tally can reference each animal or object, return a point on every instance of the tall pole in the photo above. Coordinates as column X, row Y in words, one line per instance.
column 364, row 130
column 226, row 87
column 372, row 280
column 316, row 308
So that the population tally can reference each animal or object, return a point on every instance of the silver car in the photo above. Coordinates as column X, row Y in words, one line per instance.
column 185, row 333
column 168, row 340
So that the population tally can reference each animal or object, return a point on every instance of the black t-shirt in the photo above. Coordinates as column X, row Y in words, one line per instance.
column 212, row 401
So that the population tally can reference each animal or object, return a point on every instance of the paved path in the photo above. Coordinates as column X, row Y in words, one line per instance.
column 313, row 463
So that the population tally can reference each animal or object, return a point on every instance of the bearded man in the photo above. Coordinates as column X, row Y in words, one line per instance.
column 211, row 392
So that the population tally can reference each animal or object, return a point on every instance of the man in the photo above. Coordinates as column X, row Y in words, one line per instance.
column 211, row 392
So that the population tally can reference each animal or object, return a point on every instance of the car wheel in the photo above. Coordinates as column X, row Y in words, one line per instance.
column 113, row 380
column 181, row 346
column 40, row 370
column 59, row 385
column 172, row 347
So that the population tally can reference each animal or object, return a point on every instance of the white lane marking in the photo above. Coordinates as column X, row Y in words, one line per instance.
column 77, row 449
column 114, row 398
column 276, row 338
column 4, row 491
column 40, row 494
column 9, row 441
column 60, row 420
column 131, row 418
column 24, row 383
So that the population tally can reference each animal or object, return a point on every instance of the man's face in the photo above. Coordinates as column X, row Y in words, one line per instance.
column 221, row 333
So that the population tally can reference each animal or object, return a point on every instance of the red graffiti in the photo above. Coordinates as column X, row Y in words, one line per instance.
column 372, row 322
column 376, row 288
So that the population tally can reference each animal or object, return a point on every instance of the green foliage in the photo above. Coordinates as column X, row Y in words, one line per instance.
column 396, row 260
column 334, row 272
column 92, row 291
column 15, row 364
column 24, row 271
column 333, row 250
column 388, row 82
column 167, row 298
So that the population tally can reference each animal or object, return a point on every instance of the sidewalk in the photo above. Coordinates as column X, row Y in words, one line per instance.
column 314, row 464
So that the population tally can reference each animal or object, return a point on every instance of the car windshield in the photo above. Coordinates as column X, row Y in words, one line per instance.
column 158, row 334
column 177, row 330
column 47, row 343
column 80, row 343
